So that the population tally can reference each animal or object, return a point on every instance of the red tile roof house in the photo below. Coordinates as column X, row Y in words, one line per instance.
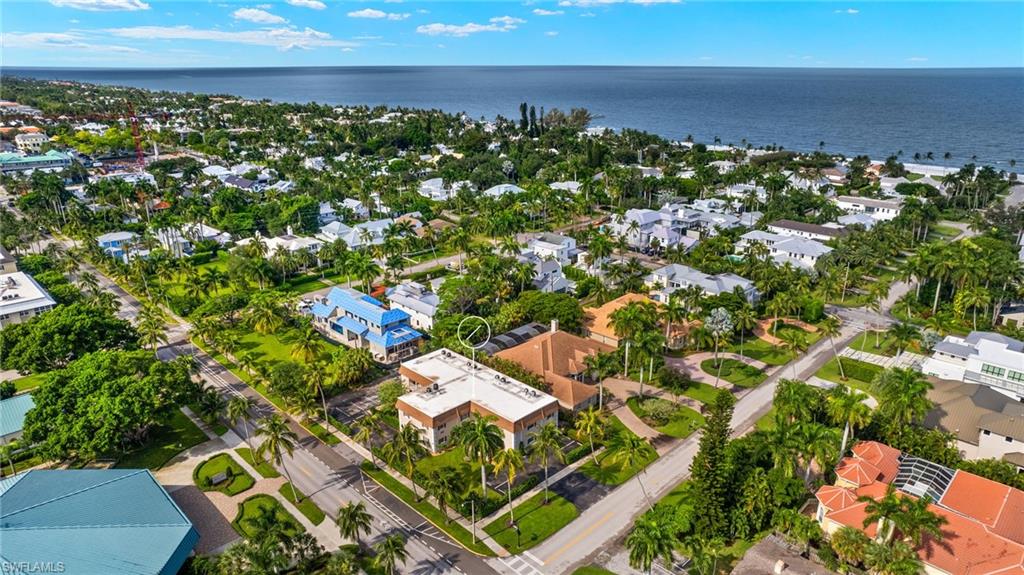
column 984, row 533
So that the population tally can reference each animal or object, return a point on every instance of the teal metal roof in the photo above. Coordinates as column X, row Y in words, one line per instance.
column 93, row 521
column 12, row 413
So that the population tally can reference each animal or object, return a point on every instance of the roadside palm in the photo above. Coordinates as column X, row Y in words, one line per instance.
column 649, row 540
column 308, row 346
column 405, row 448
column 480, row 438
column 278, row 440
column 369, row 427
column 445, row 485
column 590, row 427
column 796, row 343
column 846, row 407
column 630, row 451
column 510, row 461
column 830, row 329
column 352, row 520
column 547, row 442
column 389, row 553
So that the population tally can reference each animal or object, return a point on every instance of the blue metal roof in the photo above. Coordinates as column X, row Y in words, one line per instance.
column 393, row 337
column 93, row 521
column 352, row 325
column 321, row 310
column 12, row 413
column 364, row 307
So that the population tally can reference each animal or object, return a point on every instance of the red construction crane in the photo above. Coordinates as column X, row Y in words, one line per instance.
column 136, row 136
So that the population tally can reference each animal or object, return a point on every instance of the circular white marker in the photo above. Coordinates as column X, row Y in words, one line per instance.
column 474, row 327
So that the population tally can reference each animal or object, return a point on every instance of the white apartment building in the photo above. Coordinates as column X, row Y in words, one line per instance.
column 982, row 357
column 555, row 247
column 801, row 252
column 448, row 387
column 877, row 209
column 31, row 143
column 416, row 300
column 21, row 298
column 805, row 230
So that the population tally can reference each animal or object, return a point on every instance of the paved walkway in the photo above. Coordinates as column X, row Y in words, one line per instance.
column 905, row 359
column 691, row 365
column 764, row 326
column 623, row 389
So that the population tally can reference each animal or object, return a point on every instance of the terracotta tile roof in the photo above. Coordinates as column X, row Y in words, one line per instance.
column 1010, row 523
column 835, row 498
column 596, row 319
column 886, row 459
column 976, row 497
column 858, row 471
column 554, row 356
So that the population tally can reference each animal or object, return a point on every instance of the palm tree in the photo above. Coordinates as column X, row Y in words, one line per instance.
column 631, row 451
column 846, row 407
column 896, row 559
column 152, row 326
column 389, row 553
column 850, row 544
column 916, row 520
column 445, row 485
column 278, row 439
column 745, row 319
column 903, row 397
column 547, row 442
column 903, row 334
column 672, row 311
column 817, row 443
column 353, row 519
column 480, row 438
column 590, row 426
column 308, row 346
column 369, row 427
column 406, row 447
column 238, row 409
column 719, row 325
column 344, row 562
column 265, row 312
column 316, row 379
column 601, row 365
column 830, row 329
column 649, row 540
column 795, row 342
column 510, row 461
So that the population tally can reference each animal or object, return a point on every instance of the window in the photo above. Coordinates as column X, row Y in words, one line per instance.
column 1008, row 439
column 1015, row 376
column 986, row 432
column 992, row 370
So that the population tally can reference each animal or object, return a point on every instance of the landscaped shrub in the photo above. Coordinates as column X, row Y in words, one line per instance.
column 860, row 370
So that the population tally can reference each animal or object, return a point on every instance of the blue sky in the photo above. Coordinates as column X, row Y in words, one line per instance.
column 154, row 33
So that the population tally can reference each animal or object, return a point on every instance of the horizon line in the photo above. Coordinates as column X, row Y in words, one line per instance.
column 368, row 66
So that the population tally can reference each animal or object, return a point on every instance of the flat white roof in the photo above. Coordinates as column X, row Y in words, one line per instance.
column 460, row 381
column 19, row 292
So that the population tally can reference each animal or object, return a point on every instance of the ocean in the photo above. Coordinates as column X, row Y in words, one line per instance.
column 971, row 114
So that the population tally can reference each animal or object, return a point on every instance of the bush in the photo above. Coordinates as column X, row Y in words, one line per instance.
column 813, row 311
column 860, row 370
column 200, row 258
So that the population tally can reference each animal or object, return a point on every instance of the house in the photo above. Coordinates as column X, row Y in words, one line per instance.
column 858, row 219
column 571, row 186
column 288, row 242
column 316, row 164
column 1010, row 314
column 666, row 280
column 448, row 387
column 216, row 171
column 774, row 555
column 805, row 230
column 986, row 423
column 801, row 252
column 416, row 300
column 559, row 248
column 513, row 337
column 501, row 190
column 8, row 264
column 647, row 172
column 360, row 321
column 360, row 211
column 882, row 210
column 559, row 358
column 548, row 275
column 596, row 320
column 51, row 161
column 435, row 226
column 983, row 357
column 644, row 228
column 435, row 189
column 12, row 416
column 363, row 234
column 182, row 241
column 240, row 183
column 327, row 214
column 982, row 531
column 117, row 244
column 92, row 521
column 702, row 218
column 31, row 143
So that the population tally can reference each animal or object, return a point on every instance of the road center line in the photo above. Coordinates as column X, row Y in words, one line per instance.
column 579, row 537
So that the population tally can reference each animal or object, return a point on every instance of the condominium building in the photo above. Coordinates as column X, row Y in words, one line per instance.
column 50, row 161
column 982, row 531
column 357, row 320
column 448, row 387
column 21, row 298
column 982, row 357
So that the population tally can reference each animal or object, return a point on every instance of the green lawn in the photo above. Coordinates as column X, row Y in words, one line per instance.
column 757, row 348
column 614, row 473
column 264, row 468
column 734, row 371
column 866, row 342
column 237, row 482
column 857, row 374
column 681, row 423
column 305, row 505
column 431, row 513
column 913, row 177
column 172, row 437
column 592, row 570
column 944, row 231
column 19, row 466
column 256, row 505
column 767, row 421
column 536, row 522
column 28, row 382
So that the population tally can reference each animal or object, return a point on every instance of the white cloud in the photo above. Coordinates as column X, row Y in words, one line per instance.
column 378, row 14
column 592, row 3
column 258, row 16
column 314, row 4
column 496, row 24
column 543, row 12
column 917, row 59
column 368, row 38
column 102, row 5
column 59, row 41
column 847, row 11
column 280, row 38
column 264, row 6
column 551, row 33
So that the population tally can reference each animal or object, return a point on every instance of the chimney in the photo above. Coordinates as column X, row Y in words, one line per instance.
column 554, row 325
